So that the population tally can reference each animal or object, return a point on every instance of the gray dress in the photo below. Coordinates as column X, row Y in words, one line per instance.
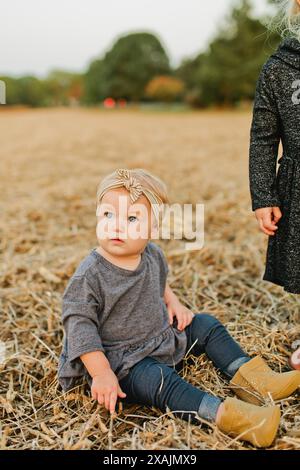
column 120, row 312
column 276, row 116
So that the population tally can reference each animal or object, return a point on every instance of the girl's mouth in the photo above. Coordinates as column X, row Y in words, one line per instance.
column 118, row 240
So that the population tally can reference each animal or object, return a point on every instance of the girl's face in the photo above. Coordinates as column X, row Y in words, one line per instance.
column 123, row 228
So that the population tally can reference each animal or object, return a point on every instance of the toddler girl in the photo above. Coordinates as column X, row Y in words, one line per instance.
column 127, row 332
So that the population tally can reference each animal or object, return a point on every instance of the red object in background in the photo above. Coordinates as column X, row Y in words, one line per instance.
column 122, row 103
column 109, row 103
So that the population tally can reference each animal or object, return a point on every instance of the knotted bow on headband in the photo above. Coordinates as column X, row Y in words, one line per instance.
column 126, row 179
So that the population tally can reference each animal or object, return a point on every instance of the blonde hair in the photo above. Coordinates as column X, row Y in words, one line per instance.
column 137, row 181
column 287, row 20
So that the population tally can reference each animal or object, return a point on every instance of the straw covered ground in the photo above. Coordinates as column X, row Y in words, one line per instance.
column 51, row 163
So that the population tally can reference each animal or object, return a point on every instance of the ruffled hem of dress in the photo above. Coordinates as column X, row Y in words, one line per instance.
column 281, row 283
column 136, row 354
column 121, row 360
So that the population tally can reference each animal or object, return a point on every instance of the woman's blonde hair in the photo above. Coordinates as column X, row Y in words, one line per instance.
column 138, row 182
column 287, row 20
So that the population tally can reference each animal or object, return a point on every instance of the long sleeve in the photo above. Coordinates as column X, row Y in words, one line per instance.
column 264, row 143
column 80, row 310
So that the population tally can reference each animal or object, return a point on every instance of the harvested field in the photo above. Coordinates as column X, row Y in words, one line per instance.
column 51, row 163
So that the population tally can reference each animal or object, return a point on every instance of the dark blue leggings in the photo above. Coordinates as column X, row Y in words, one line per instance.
column 153, row 383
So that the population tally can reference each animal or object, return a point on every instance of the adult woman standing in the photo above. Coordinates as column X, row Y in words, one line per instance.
column 276, row 116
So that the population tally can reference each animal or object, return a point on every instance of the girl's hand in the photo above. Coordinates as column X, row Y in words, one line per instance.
column 106, row 389
column 183, row 314
column 267, row 218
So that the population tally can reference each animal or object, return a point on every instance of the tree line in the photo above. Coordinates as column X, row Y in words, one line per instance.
column 137, row 69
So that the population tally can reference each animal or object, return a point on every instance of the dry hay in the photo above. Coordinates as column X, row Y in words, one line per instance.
column 51, row 163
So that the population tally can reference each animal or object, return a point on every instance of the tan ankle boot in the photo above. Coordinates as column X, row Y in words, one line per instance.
column 255, row 381
column 255, row 424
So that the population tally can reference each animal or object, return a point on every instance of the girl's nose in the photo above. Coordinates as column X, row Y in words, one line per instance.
column 119, row 225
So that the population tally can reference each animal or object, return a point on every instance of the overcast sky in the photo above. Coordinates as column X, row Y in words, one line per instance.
column 37, row 35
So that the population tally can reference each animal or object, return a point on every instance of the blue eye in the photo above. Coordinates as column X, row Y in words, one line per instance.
column 107, row 212
column 132, row 216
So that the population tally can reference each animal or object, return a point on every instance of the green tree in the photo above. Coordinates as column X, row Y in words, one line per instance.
column 94, row 83
column 27, row 90
column 126, row 69
column 12, row 90
column 227, row 72
column 32, row 91
column 64, row 87
column 190, row 73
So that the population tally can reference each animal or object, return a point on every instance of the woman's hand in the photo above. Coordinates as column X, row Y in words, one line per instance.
column 267, row 218
column 106, row 389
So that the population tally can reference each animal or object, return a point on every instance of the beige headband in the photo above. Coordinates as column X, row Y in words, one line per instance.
column 126, row 179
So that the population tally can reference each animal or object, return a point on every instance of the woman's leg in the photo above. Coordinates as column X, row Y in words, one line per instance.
column 153, row 383
column 207, row 334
